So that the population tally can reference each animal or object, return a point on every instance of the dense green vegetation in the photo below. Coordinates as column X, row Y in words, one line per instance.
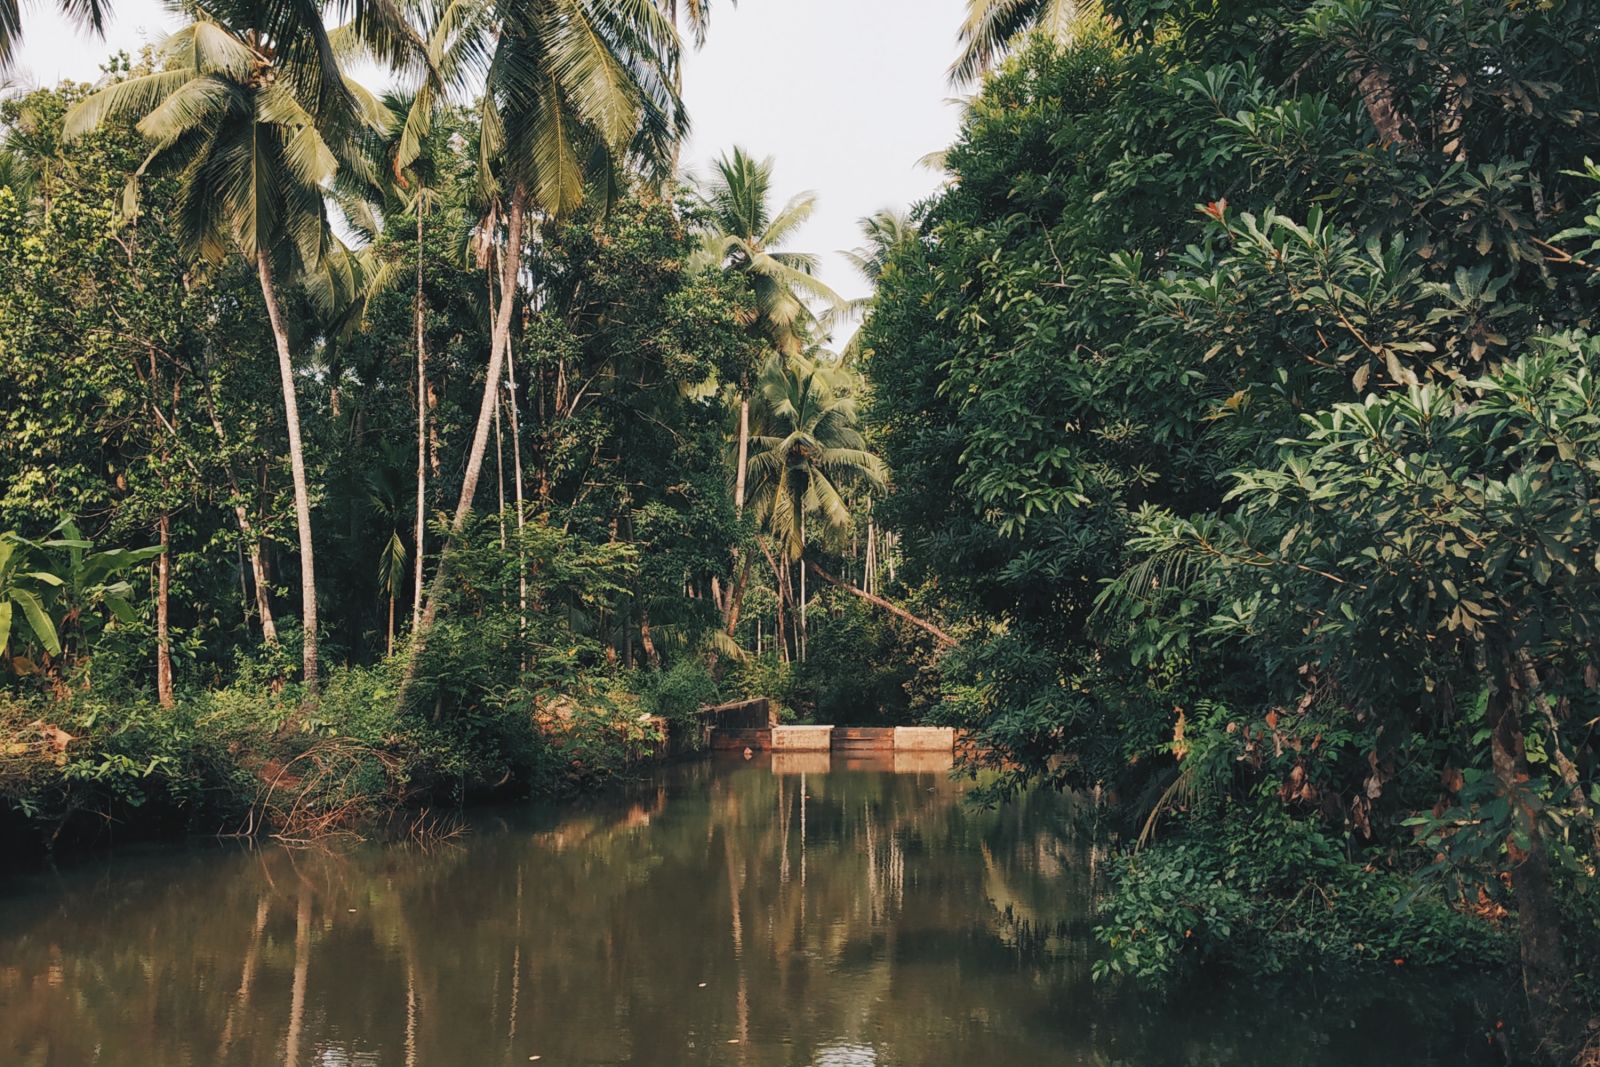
column 1240, row 392
column 409, row 450
column 1222, row 441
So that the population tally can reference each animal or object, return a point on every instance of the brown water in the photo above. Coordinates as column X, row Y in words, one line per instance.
column 717, row 914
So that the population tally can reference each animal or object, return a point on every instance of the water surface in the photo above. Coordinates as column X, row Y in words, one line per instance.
column 719, row 913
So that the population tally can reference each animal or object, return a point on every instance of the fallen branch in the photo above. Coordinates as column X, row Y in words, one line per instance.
column 893, row 609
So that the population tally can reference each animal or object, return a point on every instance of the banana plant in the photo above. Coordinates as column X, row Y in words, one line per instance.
column 23, row 591
column 56, row 581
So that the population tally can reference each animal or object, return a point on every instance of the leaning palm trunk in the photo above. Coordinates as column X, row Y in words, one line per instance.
column 878, row 601
column 297, row 466
column 499, row 342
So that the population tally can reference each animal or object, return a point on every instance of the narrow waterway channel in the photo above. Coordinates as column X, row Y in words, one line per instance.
column 725, row 912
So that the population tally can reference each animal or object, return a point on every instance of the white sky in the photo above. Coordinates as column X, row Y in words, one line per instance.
column 847, row 94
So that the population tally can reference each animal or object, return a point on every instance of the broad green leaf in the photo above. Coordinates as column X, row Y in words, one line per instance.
column 38, row 620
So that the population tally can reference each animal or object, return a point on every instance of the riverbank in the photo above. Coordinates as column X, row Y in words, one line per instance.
column 257, row 758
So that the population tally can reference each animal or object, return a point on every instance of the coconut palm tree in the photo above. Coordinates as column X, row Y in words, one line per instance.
column 575, row 90
column 807, row 448
column 455, row 35
column 992, row 28
column 256, row 163
column 743, row 234
column 884, row 231
column 91, row 13
column 806, row 452
column 695, row 16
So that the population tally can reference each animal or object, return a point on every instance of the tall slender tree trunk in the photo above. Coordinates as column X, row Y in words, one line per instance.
column 677, row 89
column 870, row 567
column 422, row 432
column 258, row 567
column 516, row 467
column 744, row 455
column 1546, row 979
column 258, row 571
column 736, row 596
column 785, row 603
column 499, row 341
column 500, row 470
column 163, row 613
column 297, row 467
column 801, row 628
column 646, row 640
column 741, row 565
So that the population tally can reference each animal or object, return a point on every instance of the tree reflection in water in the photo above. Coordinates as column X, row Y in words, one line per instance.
column 756, row 913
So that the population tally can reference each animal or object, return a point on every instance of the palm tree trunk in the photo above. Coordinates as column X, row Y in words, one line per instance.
column 801, row 638
column 802, row 614
column 258, row 567
column 516, row 467
column 500, row 470
column 646, row 640
column 780, row 581
column 878, row 601
column 258, row 570
column 297, row 466
column 744, row 456
column 499, row 341
column 422, row 432
column 870, row 567
column 163, row 614
column 736, row 596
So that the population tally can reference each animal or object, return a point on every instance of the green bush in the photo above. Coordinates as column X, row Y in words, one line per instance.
column 1260, row 892
column 679, row 692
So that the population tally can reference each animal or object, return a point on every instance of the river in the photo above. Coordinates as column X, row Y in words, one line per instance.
column 723, row 912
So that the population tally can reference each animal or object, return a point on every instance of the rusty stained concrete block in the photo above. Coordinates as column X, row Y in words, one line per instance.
column 924, row 739
column 802, row 738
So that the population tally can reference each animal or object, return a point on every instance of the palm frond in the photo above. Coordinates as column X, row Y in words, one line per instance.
column 130, row 99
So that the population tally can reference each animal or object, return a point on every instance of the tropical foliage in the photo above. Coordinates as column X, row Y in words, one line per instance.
column 1237, row 390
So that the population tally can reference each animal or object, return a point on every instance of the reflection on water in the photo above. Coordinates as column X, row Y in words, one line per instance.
column 756, row 913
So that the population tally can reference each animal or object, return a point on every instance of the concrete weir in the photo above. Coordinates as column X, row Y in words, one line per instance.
column 811, row 748
column 752, row 727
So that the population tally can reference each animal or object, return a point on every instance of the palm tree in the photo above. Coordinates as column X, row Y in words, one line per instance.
column 91, row 13
column 455, row 35
column 574, row 90
column 992, row 28
column 807, row 450
column 742, row 234
column 885, row 231
column 256, row 161
column 696, row 16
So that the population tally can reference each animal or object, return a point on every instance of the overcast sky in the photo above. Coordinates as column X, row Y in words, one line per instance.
column 847, row 94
